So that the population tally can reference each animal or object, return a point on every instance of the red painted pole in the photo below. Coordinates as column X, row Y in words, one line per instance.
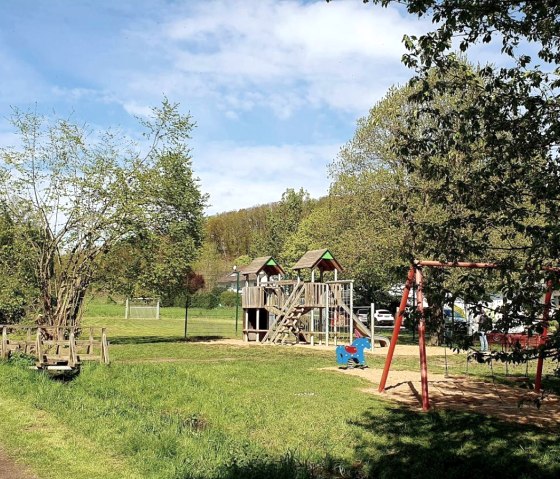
column 458, row 264
column 546, row 314
column 397, row 328
column 422, row 341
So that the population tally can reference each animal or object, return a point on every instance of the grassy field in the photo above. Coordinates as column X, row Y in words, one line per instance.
column 173, row 409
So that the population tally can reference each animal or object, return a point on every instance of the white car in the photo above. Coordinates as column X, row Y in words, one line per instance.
column 383, row 317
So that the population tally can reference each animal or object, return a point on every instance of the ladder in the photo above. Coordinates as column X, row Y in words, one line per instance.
column 288, row 318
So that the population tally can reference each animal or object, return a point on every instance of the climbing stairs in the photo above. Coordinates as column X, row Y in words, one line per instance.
column 288, row 318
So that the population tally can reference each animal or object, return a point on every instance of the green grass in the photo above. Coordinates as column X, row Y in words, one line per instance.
column 217, row 323
column 171, row 409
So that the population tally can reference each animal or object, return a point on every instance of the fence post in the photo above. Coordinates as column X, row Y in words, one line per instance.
column 104, row 347
column 73, row 359
column 38, row 348
column 4, row 351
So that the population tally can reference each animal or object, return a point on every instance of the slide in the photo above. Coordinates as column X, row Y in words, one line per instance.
column 365, row 332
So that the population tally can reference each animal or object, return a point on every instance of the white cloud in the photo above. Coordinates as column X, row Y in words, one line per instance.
column 280, row 55
column 243, row 176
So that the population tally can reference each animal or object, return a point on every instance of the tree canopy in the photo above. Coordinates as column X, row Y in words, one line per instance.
column 77, row 196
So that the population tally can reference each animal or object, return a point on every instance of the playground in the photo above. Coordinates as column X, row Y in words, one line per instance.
column 226, row 408
column 284, row 395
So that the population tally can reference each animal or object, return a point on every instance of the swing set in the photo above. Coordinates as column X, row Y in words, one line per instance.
column 415, row 277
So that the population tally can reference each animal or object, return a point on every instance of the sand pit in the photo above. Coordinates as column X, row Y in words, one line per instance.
column 462, row 393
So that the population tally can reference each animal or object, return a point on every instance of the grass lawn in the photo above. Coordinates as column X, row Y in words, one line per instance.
column 167, row 408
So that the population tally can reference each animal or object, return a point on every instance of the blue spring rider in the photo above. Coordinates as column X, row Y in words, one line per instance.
column 353, row 356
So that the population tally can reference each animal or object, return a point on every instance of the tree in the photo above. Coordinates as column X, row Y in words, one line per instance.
column 87, row 193
column 507, row 140
column 283, row 221
column 17, row 281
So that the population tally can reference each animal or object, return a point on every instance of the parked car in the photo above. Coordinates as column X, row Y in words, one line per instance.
column 383, row 317
column 455, row 323
column 362, row 313
column 457, row 317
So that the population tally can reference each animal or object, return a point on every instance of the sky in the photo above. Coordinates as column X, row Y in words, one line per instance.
column 275, row 87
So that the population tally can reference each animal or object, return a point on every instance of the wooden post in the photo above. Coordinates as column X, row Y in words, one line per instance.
column 546, row 313
column 397, row 328
column 4, row 351
column 352, row 312
column 104, row 347
column 312, row 328
column 422, row 342
column 90, row 345
column 258, row 325
column 73, row 358
column 38, row 348
column 28, row 342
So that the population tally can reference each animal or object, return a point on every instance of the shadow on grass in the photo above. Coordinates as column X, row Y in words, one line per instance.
column 452, row 445
column 162, row 339
column 405, row 443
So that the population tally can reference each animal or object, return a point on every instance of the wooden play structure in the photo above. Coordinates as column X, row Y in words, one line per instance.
column 298, row 311
column 56, row 350
column 416, row 277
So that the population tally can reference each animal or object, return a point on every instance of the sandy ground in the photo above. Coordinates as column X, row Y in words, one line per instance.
column 465, row 394
column 460, row 393
column 400, row 350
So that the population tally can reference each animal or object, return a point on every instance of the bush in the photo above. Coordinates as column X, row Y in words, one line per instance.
column 204, row 300
column 228, row 298
column 12, row 306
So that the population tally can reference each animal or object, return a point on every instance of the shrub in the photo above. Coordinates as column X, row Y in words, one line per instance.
column 228, row 298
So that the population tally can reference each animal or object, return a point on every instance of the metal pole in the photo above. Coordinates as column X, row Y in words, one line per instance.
column 237, row 303
column 397, row 328
column 422, row 342
column 546, row 313
column 186, row 314
column 372, row 324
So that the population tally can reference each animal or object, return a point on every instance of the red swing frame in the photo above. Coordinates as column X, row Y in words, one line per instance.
column 415, row 276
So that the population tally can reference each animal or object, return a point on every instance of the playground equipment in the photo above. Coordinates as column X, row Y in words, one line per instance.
column 280, row 311
column 55, row 349
column 415, row 276
column 353, row 356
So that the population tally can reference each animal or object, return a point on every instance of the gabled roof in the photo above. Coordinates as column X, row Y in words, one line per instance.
column 319, row 258
column 266, row 264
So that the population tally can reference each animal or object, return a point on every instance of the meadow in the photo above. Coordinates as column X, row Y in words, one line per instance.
column 170, row 408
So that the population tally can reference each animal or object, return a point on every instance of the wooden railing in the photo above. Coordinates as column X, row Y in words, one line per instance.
column 51, row 344
column 274, row 296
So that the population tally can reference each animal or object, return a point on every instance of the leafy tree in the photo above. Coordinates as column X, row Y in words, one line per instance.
column 507, row 140
column 284, row 220
column 17, row 281
column 87, row 194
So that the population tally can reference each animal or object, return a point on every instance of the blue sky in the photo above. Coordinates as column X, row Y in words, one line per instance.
column 275, row 87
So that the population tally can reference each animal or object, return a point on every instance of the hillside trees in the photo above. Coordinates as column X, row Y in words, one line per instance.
column 88, row 194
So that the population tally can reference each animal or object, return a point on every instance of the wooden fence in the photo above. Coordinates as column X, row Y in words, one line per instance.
column 52, row 346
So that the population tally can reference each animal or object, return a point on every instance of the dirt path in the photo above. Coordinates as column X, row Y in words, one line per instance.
column 10, row 470
column 508, row 403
